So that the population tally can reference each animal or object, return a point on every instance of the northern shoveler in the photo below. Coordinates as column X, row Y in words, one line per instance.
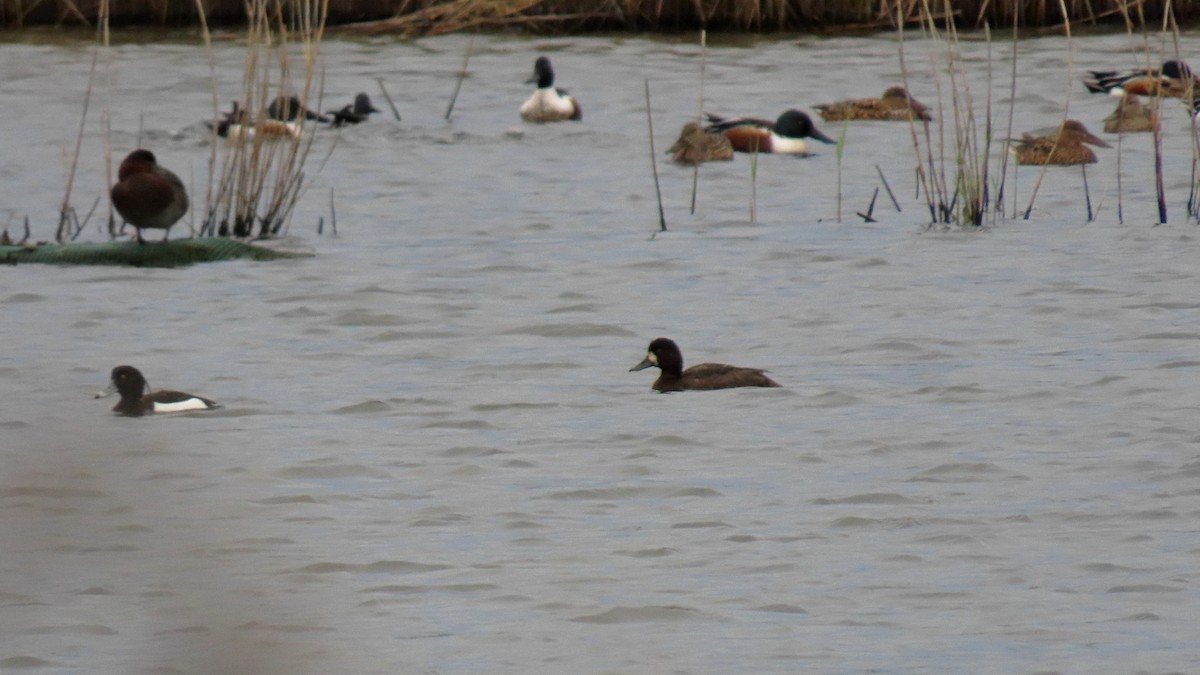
column 548, row 103
column 695, row 146
column 354, row 113
column 236, row 124
column 1130, row 116
column 1174, row 79
column 664, row 354
column 1064, row 147
column 784, row 135
column 895, row 104
column 130, row 383
column 147, row 195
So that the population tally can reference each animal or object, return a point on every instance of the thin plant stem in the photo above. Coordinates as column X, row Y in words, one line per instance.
column 462, row 75
column 699, row 113
column 662, row 218
column 754, row 185
column 888, row 189
column 65, row 210
column 388, row 97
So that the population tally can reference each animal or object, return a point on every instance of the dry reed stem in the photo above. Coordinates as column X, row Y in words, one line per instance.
column 65, row 211
column 1066, row 113
column 662, row 218
column 262, row 179
column 462, row 75
column 699, row 114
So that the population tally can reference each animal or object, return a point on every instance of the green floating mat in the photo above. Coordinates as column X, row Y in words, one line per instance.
column 178, row 253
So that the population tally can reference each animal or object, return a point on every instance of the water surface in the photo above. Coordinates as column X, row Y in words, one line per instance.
column 432, row 459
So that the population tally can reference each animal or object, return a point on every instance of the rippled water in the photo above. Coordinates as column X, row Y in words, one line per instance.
column 432, row 458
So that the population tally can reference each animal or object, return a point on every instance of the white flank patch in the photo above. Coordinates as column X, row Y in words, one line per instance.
column 180, row 406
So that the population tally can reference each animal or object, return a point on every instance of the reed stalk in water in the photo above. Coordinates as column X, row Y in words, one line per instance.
column 66, row 213
column 662, row 218
column 962, row 200
column 462, row 75
column 699, row 115
column 261, row 178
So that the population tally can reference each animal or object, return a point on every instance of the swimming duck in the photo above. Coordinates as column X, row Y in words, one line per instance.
column 236, row 124
column 147, row 195
column 289, row 109
column 1065, row 147
column 665, row 354
column 129, row 382
column 784, row 135
column 1130, row 116
column 695, row 146
column 1174, row 79
column 548, row 103
column 895, row 104
column 355, row 112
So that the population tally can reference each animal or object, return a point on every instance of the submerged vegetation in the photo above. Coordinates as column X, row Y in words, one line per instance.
column 429, row 17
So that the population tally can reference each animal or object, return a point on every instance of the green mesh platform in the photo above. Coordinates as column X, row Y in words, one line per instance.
column 151, row 254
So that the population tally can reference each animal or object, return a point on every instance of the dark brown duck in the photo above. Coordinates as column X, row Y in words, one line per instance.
column 664, row 354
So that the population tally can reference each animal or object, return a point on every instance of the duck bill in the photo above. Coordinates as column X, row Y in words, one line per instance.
column 821, row 137
column 646, row 363
column 107, row 391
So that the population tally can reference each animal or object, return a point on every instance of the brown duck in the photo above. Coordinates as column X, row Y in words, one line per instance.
column 895, row 104
column 664, row 354
column 1064, row 148
column 1130, row 117
column 695, row 146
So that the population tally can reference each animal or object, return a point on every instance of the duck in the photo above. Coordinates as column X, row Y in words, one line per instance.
column 135, row 401
column 664, row 354
column 1130, row 116
column 290, row 109
column 1173, row 79
column 548, row 103
column 236, row 124
column 1062, row 148
column 895, row 104
column 695, row 145
column 148, row 195
column 359, row 111
column 784, row 135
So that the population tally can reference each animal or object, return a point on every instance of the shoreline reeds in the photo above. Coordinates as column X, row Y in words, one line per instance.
column 435, row 17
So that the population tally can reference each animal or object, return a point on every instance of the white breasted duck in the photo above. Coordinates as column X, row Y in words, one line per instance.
column 237, row 124
column 784, row 135
column 147, row 195
column 135, row 402
column 359, row 111
column 665, row 355
column 548, row 103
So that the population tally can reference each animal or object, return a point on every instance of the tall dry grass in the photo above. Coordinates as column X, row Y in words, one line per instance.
column 261, row 178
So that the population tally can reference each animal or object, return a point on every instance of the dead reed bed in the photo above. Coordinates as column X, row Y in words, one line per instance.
column 261, row 177
column 425, row 17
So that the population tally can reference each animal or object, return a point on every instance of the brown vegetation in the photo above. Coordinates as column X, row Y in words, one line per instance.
column 424, row 17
